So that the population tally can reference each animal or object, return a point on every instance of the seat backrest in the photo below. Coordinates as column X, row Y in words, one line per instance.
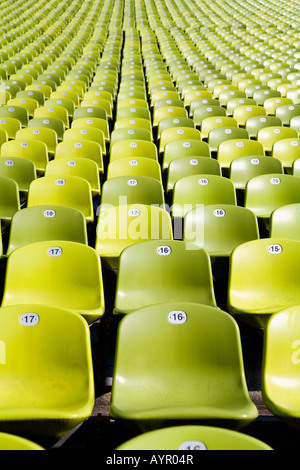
column 66, row 190
column 220, row 228
column 192, row 191
column 80, row 149
column 271, row 265
column 132, row 189
column 229, row 150
column 133, row 149
column 56, row 272
column 166, row 269
column 134, row 166
column 121, row 226
column 46, row 222
column 42, row 331
column 162, row 342
column 265, row 193
column 33, row 150
column 242, row 169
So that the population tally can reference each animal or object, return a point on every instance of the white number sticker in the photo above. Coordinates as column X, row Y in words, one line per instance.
column 132, row 182
column 9, row 163
column 164, row 250
column 78, row 145
column 177, row 317
column 186, row 144
column 219, row 213
column 133, row 162
column 72, row 163
column 55, row 251
column 60, row 182
column 49, row 213
column 29, row 319
column 275, row 249
column 24, row 144
column 255, row 161
column 275, row 181
column 134, row 212
column 46, row 121
column 203, row 181
column 192, row 445
column 133, row 145
column 194, row 161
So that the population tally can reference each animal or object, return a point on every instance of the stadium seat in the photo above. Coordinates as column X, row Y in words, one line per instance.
column 151, row 351
column 202, row 112
column 286, row 112
column 271, row 104
column 89, row 113
column 284, row 222
column 121, row 226
column 80, row 149
column 280, row 366
column 132, row 189
column 193, row 438
column 66, row 190
column 130, row 133
column 133, row 149
column 10, row 126
column 83, row 167
column 265, row 193
column 57, row 112
column 269, row 135
column 271, row 265
column 287, row 151
column 220, row 228
column 168, row 111
column 21, row 170
column 184, row 148
column 133, row 112
column 194, row 190
column 86, row 133
column 229, row 150
column 41, row 332
column 44, row 223
column 243, row 169
column 177, row 133
column 59, row 273
column 16, row 112
column 33, row 150
column 210, row 123
column 134, row 166
column 175, row 270
column 255, row 123
column 41, row 134
column 98, row 123
column 30, row 104
column 186, row 166
column 221, row 134
column 51, row 123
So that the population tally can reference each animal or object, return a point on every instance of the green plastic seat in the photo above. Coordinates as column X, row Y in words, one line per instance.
column 168, row 111
column 130, row 133
column 132, row 189
column 133, row 112
column 133, row 149
column 163, row 269
column 220, row 228
column 98, row 123
column 41, row 134
column 80, row 149
column 284, row 222
column 10, row 126
column 202, row 112
column 121, row 226
column 86, row 133
column 50, row 123
column 193, row 438
column 156, row 353
column 65, row 190
column 38, row 95
column 231, row 149
column 184, row 148
column 172, row 134
column 33, row 150
column 265, row 193
column 59, row 273
column 243, row 169
column 263, row 279
column 46, row 222
column 271, row 104
column 287, row 151
column 16, row 112
column 221, row 134
column 20, row 170
column 89, row 112
column 83, row 167
column 134, row 166
column 13, row 442
column 192, row 191
column 280, row 366
column 268, row 136
column 41, row 332
column 186, row 166
column 255, row 123
column 286, row 112
column 214, row 122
